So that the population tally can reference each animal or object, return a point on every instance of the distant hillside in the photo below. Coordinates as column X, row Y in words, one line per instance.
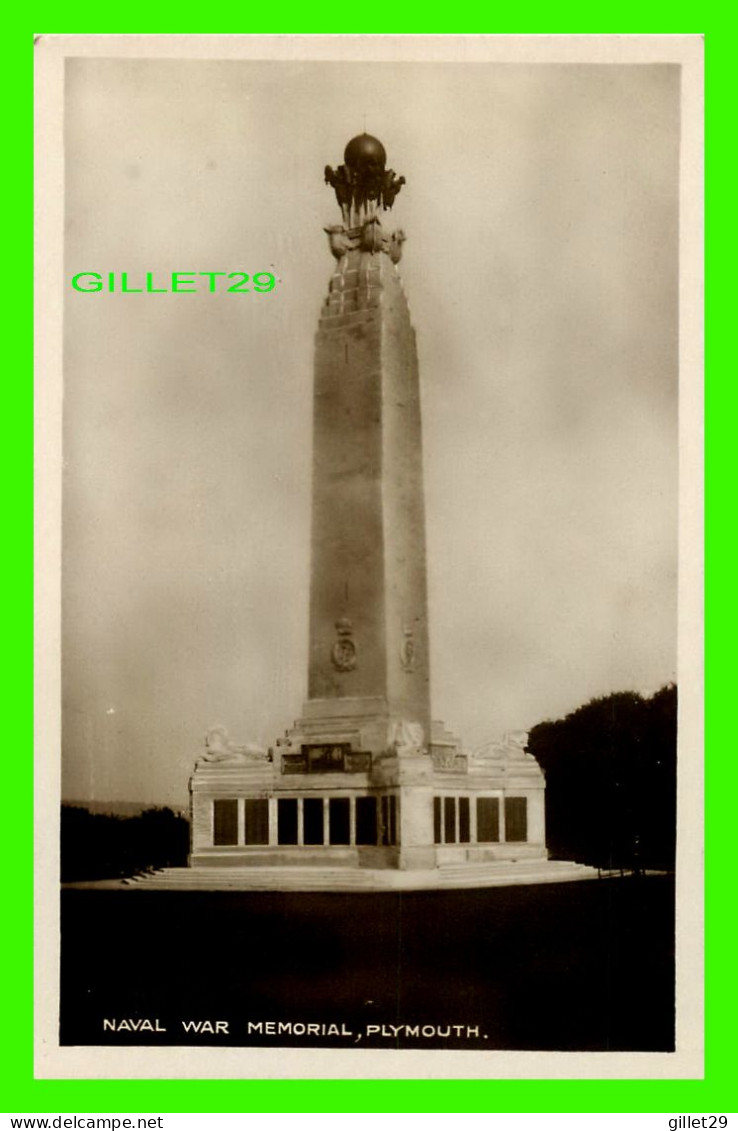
column 125, row 808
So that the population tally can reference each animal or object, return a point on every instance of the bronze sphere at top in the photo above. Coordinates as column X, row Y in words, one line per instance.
column 365, row 151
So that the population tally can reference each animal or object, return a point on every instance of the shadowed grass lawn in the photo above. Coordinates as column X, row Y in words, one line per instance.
column 572, row 966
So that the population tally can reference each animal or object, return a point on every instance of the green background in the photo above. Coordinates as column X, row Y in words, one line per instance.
column 23, row 1094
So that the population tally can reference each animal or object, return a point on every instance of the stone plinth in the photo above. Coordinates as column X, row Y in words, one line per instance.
column 336, row 804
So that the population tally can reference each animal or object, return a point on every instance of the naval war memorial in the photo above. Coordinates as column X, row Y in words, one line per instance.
column 366, row 790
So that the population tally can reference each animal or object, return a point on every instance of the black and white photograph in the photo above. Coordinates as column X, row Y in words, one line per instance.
column 368, row 416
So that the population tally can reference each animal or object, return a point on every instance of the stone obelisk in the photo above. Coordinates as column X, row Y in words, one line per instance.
column 368, row 647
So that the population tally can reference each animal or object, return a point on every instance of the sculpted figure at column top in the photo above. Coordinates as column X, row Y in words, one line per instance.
column 363, row 183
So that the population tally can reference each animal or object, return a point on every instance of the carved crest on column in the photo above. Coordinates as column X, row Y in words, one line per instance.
column 343, row 653
column 407, row 650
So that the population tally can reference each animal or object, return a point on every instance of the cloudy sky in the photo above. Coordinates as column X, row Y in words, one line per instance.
column 541, row 268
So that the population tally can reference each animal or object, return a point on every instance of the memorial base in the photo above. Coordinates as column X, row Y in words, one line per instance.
column 332, row 798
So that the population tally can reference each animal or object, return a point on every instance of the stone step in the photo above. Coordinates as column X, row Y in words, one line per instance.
column 493, row 874
column 492, row 877
column 506, row 866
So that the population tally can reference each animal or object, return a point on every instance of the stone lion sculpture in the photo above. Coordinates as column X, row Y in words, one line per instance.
column 513, row 745
column 219, row 748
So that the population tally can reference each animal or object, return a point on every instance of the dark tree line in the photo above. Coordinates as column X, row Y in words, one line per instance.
column 97, row 846
column 610, row 771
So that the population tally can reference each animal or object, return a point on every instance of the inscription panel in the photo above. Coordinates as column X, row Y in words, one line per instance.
column 327, row 758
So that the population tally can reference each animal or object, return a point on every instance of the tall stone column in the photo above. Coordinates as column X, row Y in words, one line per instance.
column 368, row 649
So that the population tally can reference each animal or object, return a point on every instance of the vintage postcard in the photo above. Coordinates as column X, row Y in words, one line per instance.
column 369, row 506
